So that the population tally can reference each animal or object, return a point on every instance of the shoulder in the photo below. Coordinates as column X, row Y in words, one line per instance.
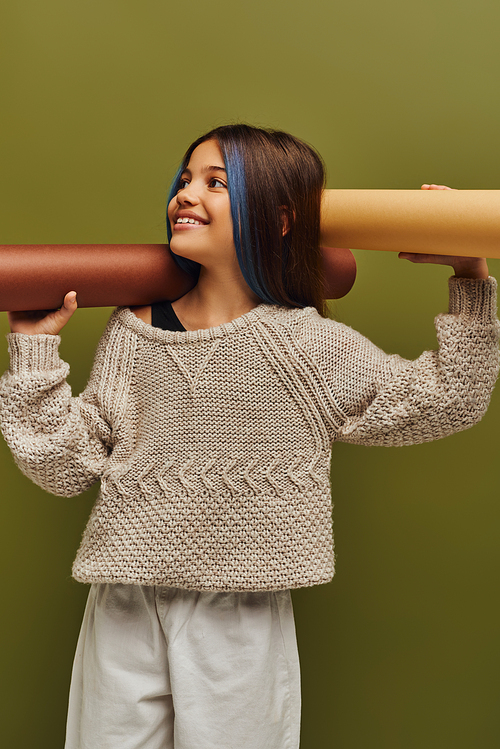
column 133, row 320
column 332, row 346
column 143, row 313
column 304, row 324
column 121, row 322
column 307, row 325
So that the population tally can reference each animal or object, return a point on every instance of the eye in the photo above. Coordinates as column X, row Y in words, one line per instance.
column 214, row 179
column 183, row 182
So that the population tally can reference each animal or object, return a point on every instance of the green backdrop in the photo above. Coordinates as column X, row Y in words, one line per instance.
column 99, row 99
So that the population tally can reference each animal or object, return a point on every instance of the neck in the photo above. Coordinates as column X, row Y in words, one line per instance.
column 219, row 297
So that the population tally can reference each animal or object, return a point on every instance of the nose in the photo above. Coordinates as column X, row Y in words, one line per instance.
column 187, row 194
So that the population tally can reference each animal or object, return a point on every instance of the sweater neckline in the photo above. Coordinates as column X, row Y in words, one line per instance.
column 239, row 324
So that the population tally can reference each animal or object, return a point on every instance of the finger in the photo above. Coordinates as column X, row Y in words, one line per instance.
column 413, row 257
column 420, row 257
column 69, row 305
column 57, row 320
column 70, row 300
column 436, row 187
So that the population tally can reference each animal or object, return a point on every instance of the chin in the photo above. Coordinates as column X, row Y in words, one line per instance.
column 186, row 253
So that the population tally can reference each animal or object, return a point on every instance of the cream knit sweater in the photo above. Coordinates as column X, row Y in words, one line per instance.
column 213, row 446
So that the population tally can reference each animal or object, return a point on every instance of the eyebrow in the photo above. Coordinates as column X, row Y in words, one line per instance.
column 208, row 169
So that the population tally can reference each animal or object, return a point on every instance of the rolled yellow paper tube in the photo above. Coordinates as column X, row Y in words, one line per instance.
column 441, row 222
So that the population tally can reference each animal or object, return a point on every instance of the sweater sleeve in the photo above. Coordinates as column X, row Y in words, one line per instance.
column 380, row 399
column 60, row 442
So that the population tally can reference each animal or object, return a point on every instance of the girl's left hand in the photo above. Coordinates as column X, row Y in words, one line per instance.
column 464, row 267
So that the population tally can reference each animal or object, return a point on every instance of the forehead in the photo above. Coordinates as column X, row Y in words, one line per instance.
column 206, row 154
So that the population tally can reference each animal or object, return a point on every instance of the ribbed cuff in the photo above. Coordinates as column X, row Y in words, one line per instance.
column 474, row 298
column 33, row 353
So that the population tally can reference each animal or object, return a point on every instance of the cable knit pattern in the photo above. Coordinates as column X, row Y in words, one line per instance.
column 213, row 446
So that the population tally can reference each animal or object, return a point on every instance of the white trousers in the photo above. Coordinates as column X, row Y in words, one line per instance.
column 165, row 668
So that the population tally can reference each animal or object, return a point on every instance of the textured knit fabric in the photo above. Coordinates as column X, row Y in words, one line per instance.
column 213, row 446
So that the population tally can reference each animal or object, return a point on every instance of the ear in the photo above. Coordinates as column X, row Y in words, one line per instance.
column 287, row 218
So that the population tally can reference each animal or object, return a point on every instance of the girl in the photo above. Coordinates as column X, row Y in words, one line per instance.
column 209, row 423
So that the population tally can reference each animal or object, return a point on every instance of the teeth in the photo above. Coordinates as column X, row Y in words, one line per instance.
column 188, row 221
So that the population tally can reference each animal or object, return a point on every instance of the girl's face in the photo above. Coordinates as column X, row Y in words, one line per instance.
column 203, row 199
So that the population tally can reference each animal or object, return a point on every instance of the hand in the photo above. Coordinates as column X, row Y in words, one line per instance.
column 464, row 267
column 49, row 322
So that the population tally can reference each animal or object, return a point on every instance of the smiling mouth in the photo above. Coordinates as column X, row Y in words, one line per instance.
column 190, row 220
column 181, row 226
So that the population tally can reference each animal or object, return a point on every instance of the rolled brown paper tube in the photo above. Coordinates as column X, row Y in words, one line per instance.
column 37, row 277
column 442, row 222
column 339, row 267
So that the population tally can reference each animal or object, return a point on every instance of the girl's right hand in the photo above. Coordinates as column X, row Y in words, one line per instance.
column 48, row 322
column 464, row 267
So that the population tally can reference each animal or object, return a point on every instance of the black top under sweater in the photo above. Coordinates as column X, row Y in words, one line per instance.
column 164, row 317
